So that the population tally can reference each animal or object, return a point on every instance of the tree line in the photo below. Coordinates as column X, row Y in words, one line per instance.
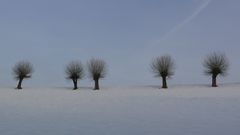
column 214, row 64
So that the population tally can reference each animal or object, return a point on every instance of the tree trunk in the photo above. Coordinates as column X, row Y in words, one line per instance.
column 164, row 82
column 214, row 80
column 96, row 84
column 75, row 84
column 20, row 83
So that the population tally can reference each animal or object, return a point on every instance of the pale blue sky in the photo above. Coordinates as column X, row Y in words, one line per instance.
column 127, row 34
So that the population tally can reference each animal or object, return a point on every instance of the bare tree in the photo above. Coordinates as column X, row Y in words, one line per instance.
column 97, row 70
column 22, row 70
column 163, row 67
column 74, row 71
column 215, row 64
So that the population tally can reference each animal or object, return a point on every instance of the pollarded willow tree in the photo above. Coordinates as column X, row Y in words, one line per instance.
column 215, row 64
column 74, row 71
column 163, row 67
column 21, row 71
column 97, row 70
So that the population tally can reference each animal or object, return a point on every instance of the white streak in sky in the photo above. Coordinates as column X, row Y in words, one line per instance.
column 187, row 20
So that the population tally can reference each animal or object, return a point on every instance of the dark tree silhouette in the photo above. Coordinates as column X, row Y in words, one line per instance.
column 97, row 70
column 22, row 70
column 74, row 71
column 215, row 64
column 163, row 67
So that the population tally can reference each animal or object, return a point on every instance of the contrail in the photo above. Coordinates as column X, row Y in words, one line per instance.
column 184, row 22
column 150, row 46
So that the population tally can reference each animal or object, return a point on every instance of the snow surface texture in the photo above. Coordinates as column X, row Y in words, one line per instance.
column 180, row 110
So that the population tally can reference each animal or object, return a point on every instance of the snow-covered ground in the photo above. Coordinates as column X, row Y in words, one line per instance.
column 146, row 110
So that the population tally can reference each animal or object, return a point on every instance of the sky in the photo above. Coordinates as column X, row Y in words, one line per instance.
column 127, row 34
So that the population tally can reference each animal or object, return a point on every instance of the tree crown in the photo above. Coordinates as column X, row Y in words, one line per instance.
column 216, row 63
column 97, row 68
column 74, row 70
column 23, row 69
column 163, row 66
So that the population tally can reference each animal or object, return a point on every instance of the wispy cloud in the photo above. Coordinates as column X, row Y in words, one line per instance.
column 184, row 22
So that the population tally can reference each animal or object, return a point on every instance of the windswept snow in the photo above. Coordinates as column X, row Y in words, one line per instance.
column 146, row 110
